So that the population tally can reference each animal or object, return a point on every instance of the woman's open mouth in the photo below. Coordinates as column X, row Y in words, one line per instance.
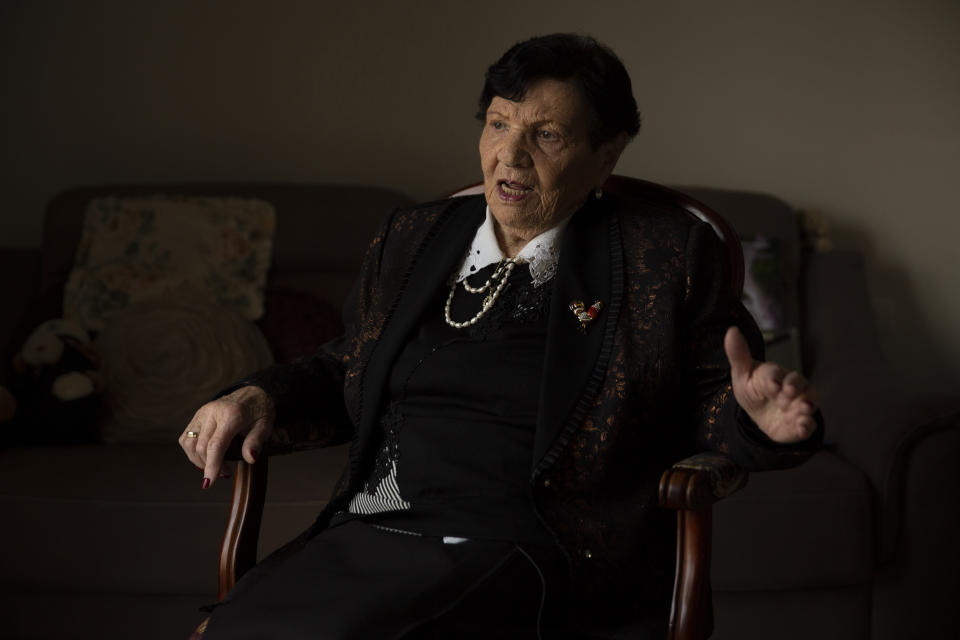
column 512, row 191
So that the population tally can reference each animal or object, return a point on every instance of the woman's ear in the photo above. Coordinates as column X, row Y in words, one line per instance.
column 610, row 152
column 616, row 147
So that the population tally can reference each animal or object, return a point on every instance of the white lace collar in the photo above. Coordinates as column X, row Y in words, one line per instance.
column 541, row 253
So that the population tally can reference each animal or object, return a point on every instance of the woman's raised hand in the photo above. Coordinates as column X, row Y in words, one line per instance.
column 781, row 402
column 248, row 411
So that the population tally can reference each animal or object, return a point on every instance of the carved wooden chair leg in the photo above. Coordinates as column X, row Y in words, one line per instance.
column 691, row 611
column 691, row 487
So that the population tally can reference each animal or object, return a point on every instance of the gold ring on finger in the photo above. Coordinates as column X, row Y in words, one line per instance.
column 193, row 434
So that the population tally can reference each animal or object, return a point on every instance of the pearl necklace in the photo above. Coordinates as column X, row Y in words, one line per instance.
column 501, row 274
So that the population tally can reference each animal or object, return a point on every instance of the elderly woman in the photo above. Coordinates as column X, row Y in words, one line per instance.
column 517, row 370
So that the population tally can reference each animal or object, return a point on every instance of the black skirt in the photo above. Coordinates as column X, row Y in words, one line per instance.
column 358, row 581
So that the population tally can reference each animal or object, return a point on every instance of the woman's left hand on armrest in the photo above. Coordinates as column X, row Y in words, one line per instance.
column 247, row 412
column 781, row 402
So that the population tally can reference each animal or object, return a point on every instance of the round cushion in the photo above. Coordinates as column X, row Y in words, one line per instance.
column 163, row 359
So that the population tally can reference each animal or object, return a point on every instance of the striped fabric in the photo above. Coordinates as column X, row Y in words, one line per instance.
column 385, row 496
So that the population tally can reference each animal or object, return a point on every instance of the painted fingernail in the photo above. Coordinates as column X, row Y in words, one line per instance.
column 206, row 483
column 254, row 454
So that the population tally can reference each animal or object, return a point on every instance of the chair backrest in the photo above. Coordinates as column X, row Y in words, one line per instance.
column 671, row 198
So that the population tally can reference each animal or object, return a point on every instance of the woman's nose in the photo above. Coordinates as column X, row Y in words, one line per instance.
column 513, row 152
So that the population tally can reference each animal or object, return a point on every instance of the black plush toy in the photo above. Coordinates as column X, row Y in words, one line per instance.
column 54, row 395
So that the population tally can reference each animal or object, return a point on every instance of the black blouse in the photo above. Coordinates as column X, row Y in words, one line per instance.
column 458, row 431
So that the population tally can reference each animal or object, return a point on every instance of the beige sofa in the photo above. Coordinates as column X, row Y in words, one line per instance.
column 104, row 541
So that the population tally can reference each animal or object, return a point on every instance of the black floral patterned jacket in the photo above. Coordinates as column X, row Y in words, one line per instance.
column 646, row 385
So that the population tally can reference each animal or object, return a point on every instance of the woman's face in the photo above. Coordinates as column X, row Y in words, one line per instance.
column 538, row 162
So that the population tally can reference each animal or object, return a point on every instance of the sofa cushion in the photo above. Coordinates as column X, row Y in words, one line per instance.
column 138, row 249
column 99, row 616
column 297, row 323
column 843, row 612
column 138, row 522
column 307, row 216
column 163, row 359
column 133, row 519
column 807, row 527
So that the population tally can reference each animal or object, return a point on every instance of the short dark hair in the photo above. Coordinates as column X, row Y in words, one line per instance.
column 593, row 67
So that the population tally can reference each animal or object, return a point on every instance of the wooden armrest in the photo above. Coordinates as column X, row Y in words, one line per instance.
column 691, row 487
column 699, row 481
column 238, row 551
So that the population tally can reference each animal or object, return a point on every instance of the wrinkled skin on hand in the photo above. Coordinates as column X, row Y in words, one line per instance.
column 248, row 412
column 781, row 402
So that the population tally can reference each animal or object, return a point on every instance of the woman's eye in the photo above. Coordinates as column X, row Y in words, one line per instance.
column 547, row 136
column 497, row 125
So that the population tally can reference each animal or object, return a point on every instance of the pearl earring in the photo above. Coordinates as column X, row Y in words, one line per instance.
column 598, row 193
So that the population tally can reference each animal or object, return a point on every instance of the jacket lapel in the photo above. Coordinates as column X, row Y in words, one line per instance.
column 590, row 250
column 435, row 260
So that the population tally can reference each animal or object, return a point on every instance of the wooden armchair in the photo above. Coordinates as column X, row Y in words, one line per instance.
column 690, row 486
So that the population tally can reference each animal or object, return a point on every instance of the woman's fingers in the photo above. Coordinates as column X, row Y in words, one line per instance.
column 797, row 394
column 802, row 428
column 260, row 413
column 254, row 442
column 189, row 442
column 766, row 381
column 774, row 377
column 738, row 353
column 798, row 419
column 780, row 401
column 786, row 388
column 206, row 438
column 227, row 420
column 248, row 410
column 794, row 384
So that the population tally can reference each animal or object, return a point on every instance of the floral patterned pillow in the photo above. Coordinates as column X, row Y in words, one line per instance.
column 138, row 249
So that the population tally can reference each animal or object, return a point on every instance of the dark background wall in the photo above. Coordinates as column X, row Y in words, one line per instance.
column 848, row 108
